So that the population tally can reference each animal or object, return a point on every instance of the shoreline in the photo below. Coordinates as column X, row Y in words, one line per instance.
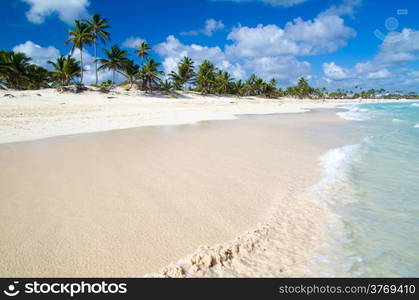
column 33, row 115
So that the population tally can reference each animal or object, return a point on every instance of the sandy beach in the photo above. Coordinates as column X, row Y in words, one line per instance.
column 216, row 198
column 30, row 115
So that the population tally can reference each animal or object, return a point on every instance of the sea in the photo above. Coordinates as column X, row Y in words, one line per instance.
column 372, row 189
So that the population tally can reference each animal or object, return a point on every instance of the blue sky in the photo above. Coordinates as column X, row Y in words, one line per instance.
column 335, row 44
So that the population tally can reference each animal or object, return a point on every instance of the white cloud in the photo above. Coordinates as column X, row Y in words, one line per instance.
column 173, row 51
column 39, row 55
column 132, row 42
column 332, row 71
column 211, row 26
column 379, row 74
column 347, row 7
column 387, row 68
column 67, row 10
column 284, row 3
column 285, row 69
column 324, row 34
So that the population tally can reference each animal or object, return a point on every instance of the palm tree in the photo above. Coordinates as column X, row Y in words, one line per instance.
column 97, row 29
column 223, row 81
column 150, row 74
column 205, row 78
column 37, row 77
column 167, row 86
column 184, row 74
column 143, row 50
column 13, row 68
column 130, row 71
column 65, row 69
column 115, row 60
column 80, row 36
column 238, row 88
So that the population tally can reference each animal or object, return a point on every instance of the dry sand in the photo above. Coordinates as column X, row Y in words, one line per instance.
column 30, row 115
column 129, row 202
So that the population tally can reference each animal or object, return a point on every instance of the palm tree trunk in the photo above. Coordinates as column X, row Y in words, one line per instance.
column 95, row 44
column 113, row 77
column 81, row 65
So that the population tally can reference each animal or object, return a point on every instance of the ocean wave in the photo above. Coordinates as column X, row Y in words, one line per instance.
column 416, row 126
column 415, row 104
column 336, row 164
column 334, row 190
column 355, row 113
column 396, row 120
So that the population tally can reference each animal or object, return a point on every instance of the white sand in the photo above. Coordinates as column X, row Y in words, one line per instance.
column 30, row 115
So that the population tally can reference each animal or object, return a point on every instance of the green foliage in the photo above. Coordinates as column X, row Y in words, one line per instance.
column 205, row 78
column 150, row 75
column 98, row 27
column 116, row 60
column 143, row 50
column 65, row 70
column 79, row 37
column 105, row 86
column 185, row 73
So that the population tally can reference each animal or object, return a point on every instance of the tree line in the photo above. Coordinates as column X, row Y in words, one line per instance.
column 17, row 71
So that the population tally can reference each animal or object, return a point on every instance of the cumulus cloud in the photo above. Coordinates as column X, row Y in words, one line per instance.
column 39, row 55
column 388, row 67
column 173, row 51
column 283, row 3
column 347, row 7
column 285, row 69
column 324, row 34
column 66, row 10
column 211, row 26
column 132, row 42
column 333, row 71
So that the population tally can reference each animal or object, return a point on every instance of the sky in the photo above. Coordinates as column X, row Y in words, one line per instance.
column 334, row 44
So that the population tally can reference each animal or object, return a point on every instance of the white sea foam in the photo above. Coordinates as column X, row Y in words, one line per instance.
column 416, row 126
column 335, row 164
column 334, row 190
column 415, row 104
column 396, row 120
column 355, row 113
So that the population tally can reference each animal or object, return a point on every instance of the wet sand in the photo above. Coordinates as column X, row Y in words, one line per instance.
column 129, row 202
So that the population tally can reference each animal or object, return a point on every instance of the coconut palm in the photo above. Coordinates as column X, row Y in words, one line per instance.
column 143, row 50
column 167, row 86
column 185, row 73
column 98, row 28
column 79, row 37
column 37, row 78
column 115, row 60
column 65, row 69
column 223, row 82
column 13, row 68
column 205, row 78
column 131, row 71
column 150, row 74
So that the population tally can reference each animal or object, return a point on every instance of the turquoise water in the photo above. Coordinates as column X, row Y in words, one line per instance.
column 373, row 189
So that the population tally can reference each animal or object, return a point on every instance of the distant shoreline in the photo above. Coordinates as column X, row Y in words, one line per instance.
column 38, row 114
